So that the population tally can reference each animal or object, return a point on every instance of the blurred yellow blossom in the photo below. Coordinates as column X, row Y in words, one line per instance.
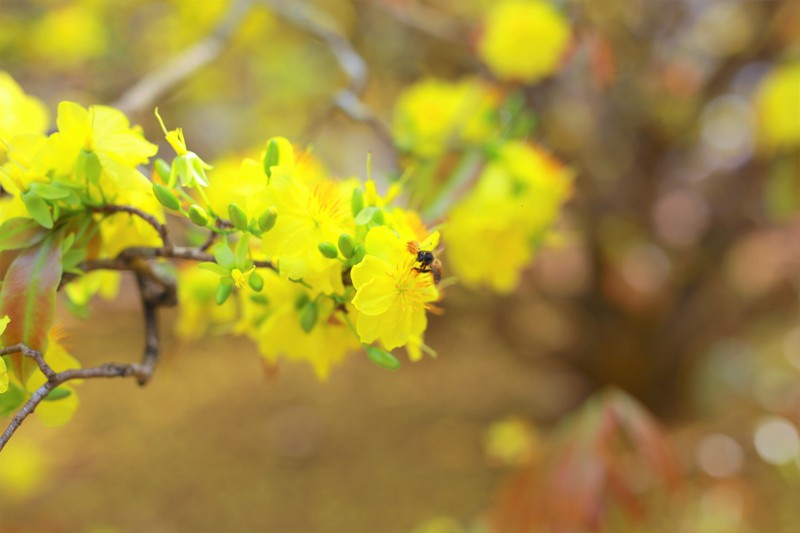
column 511, row 441
column 524, row 40
column 198, row 312
column 19, row 113
column 778, row 107
column 22, row 469
column 434, row 115
column 70, row 34
column 3, row 370
column 511, row 208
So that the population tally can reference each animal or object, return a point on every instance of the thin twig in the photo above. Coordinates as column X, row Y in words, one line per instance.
column 160, row 228
column 54, row 379
column 170, row 74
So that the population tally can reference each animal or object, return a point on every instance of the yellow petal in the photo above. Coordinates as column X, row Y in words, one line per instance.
column 376, row 296
column 385, row 244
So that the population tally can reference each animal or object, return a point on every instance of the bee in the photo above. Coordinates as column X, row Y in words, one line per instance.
column 428, row 262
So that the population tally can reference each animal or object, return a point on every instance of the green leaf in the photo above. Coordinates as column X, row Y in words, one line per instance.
column 382, row 357
column 93, row 167
column 49, row 191
column 29, row 298
column 38, row 209
column 213, row 267
column 11, row 400
column 365, row 215
column 20, row 232
column 57, row 394
column 242, row 249
column 224, row 256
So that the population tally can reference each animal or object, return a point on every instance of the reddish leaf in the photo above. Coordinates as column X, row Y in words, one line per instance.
column 18, row 233
column 28, row 296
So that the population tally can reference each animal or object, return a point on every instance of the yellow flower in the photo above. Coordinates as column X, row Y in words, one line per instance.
column 434, row 115
column 524, row 40
column 106, row 132
column 68, row 35
column 19, row 113
column 492, row 233
column 778, row 107
column 187, row 166
column 277, row 328
column 121, row 230
column 391, row 297
column 307, row 216
column 3, row 370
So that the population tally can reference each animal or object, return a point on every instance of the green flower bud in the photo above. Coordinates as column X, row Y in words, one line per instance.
column 382, row 358
column 347, row 245
column 224, row 290
column 256, row 281
column 166, row 197
column 300, row 301
column 328, row 250
column 198, row 215
column 358, row 255
column 267, row 219
column 238, row 217
column 272, row 157
column 163, row 169
column 308, row 318
column 357, row 201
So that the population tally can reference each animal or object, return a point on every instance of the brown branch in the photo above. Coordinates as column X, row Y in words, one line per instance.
column 160, row 228
column 54, row 379
column 184, row 64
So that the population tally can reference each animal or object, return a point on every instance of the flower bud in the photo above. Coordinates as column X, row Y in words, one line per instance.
column 267, row 219
column 223, row 290
column 328, row 250
column 272, row 157
column 166, row 197
column 163, row 169
column 382, row 358
column 357, row 201
column 238, row 217
column 347, row 245
column 358, row 255
column 198, row 215
column 308, row 318
column 256, row 281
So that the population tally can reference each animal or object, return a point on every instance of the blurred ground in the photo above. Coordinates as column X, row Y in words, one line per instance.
column 371, row 450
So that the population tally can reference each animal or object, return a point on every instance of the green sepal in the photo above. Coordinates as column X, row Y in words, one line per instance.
column 365, row 215
column 213, row 267
column 163, row 169
column 224, row 256
column 357, row 201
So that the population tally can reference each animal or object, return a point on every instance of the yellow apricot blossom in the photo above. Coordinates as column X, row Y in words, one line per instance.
column 524, row 40
column 391, row 297
column 778, row 107
column 278, row 329
column 511, row 208
column 434, row 115
column 198, row 312
column 19, row 112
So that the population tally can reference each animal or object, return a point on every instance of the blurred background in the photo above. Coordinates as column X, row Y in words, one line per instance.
column 643, row 376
